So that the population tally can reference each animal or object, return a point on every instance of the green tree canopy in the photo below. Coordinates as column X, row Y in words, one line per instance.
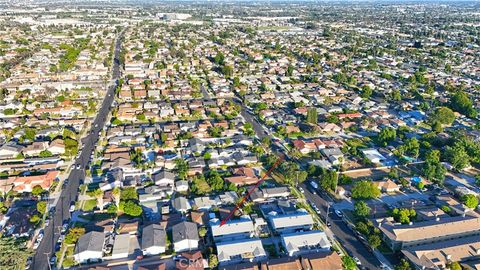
column 470, row 200
column 365, row 190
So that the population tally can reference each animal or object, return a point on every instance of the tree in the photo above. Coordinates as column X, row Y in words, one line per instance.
column 202, row 232
column 366, row 92
column 470, row 200
column 112, row 209
column 45, row 153
column 200, row 186
column 455, row 266
column 98, row 194
column 41, row 207
column 37, row 190
column 403, row 215
column 432, row 169
column 403, row 265
column 129, row 193
column 117, row 193
column 457, row 156
column 329, row 180
column 181, row 165
column 312, row 115
column 477, row 180
column 386, row 135
column 362, row 209
column 35, row 219
column 131, row 208
column 13, row 253
column 215, row 181
column 461, row 103
column 365, row 190
column 374, row 241
column 443, row 115
column 73, row 235
column 212, row 261
column 348, row 263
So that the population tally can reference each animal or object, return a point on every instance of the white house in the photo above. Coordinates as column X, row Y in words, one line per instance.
column 89, row 247
column 185, row 236
column 305, row 242
column 153, row 240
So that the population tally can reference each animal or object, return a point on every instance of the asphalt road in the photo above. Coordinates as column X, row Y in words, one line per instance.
column 342, row 232
column 69, row 194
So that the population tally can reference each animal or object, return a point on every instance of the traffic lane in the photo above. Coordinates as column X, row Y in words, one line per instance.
column 342, row 232
column 46, row 248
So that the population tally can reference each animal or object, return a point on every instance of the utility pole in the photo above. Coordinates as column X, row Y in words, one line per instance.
column 48, row 260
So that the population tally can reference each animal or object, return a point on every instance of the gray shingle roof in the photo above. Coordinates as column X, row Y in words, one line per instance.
column 184, row 230
column 92, row 241
column 153, row 236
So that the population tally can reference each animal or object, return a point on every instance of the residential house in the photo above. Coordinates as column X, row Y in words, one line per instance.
column 289, row 223
column 240, row 251
column 185, row 236
column 153, row 240
column 324, row 261
column 233, row 229
column 89, row 247
column 305, row 242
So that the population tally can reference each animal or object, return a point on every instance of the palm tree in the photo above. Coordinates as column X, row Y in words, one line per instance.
column 98, row 193
column 116, row 192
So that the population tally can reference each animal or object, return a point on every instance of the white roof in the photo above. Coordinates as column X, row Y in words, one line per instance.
column 310, row 239
column 300, row 218
column 243, row 225
column 248, row 249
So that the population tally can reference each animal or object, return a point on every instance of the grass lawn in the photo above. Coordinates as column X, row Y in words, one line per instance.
column 89, row 205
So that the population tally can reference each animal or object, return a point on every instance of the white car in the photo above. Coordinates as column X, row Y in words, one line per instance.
column 301, row 190
column 338, row 213
column 357, row 261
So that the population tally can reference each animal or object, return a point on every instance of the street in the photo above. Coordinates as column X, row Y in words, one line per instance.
column 342, row 232
column 69, row 194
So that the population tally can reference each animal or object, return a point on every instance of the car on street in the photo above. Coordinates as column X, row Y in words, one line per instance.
column 339, row 213
column 47, row 222
column 329, row 224
column 301, row 190
column 78, row 166
column 357, row 260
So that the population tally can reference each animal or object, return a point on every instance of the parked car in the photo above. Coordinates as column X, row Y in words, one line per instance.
column 339, row 213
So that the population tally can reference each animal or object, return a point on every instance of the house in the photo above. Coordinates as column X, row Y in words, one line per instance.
column 153, row 240
column 181, row 204
column 269, row 193
column 387, row 186
column 181, row 186
column 185, row 236
column 305, row 242
column 334, row 155
column 242, row 176
column 10, row 150
column 325, row 261
column 402, row 236
column 89, row 247
column 121, row 246
column 233, row 229
column 164, row 178
column 373, row 156
column 27, row 183
column 57, row 147
column 289, row 223
column 240, row 251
